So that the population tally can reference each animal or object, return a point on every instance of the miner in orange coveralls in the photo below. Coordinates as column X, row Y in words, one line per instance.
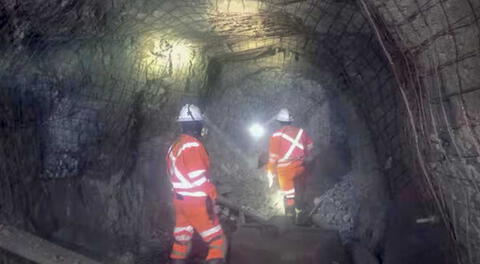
column 194, row 194
column 289, row 148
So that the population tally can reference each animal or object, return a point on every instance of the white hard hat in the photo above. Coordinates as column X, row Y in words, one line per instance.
column 190, row 113
column 284, row 115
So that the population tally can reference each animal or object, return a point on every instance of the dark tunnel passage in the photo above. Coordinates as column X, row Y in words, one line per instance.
column 389, row 91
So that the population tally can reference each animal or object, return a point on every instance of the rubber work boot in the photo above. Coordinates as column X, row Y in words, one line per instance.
column 291, row 213
column 215, row 261
column 298, row 215
column 178, row 261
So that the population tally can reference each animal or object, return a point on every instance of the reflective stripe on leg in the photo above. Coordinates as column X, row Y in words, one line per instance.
column 209, row 234
column 178, row 255
column 179, row 229
column 216, row 242
column 183, row 238
column 290, row 201
column 289, row 195
column 217, row 248
column 183, row 233
column 289, row 192
column 180, row 250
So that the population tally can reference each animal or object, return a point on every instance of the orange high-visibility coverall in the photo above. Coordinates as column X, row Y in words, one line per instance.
column 287, row 151
column 188, row 168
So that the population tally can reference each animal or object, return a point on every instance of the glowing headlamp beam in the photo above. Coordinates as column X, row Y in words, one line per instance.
column 256, row 130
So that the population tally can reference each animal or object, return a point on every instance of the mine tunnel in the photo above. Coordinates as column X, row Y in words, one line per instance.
column 388, row 91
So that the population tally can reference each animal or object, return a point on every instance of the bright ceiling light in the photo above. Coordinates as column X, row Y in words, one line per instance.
column 238, row 6
column 256, row 130
column 160, row 57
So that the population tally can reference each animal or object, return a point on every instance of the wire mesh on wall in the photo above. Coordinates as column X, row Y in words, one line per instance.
column 412, row 66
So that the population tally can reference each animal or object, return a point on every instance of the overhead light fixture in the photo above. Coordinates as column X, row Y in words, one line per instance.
column 256, row 130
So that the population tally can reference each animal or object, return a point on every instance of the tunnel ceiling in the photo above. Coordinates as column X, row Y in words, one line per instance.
column 412, row 66
column 222, row 28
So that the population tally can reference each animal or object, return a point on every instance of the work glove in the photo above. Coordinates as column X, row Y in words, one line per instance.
column 211, row 191
column 270, row 177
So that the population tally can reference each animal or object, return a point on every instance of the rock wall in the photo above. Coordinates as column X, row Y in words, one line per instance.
column 432, row 49
column 358, row 205
column 87, row 134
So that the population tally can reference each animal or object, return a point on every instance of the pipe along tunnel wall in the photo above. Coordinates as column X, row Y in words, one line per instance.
column 389, row 89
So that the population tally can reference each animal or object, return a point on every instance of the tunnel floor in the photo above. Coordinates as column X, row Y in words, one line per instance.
column 285, row 243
